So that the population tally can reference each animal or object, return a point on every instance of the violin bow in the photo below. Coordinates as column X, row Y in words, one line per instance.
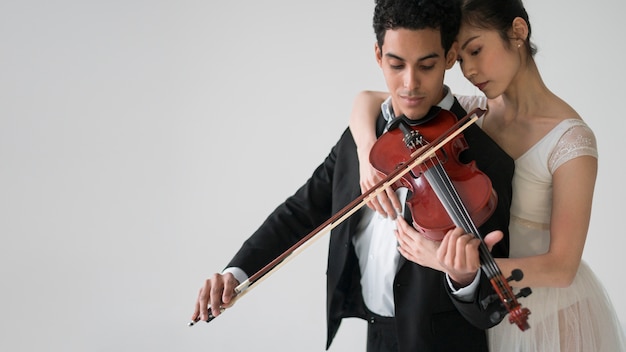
column 418, row 157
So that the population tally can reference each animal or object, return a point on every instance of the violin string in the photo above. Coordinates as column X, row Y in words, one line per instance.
column 451, row 200
column 456, row 209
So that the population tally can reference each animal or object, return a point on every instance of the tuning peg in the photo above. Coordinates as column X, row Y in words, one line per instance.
column 516, row 275
column 525, row 292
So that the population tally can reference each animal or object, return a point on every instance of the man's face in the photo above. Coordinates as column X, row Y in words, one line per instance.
column 414, row 65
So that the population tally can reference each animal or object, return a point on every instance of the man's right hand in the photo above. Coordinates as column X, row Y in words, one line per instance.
column 216, row 294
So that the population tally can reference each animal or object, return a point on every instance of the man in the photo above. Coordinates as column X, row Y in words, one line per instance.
column 407, row 306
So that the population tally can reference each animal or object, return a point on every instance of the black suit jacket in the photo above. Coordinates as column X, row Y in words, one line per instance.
column 428, row 318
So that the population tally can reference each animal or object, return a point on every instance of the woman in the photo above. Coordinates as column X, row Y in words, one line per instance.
column 555, row 157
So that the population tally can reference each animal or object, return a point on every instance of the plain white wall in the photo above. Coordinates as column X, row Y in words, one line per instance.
column 142, row 141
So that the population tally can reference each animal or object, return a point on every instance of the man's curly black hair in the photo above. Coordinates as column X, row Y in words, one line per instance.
column 444, row 15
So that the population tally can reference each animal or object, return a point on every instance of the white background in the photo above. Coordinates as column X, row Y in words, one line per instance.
column 142, row 141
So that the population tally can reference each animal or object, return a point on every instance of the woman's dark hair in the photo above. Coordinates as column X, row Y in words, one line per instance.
column 442, row 15
column 497, row 15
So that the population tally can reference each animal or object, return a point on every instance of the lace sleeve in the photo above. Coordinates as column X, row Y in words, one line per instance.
column 577, row 140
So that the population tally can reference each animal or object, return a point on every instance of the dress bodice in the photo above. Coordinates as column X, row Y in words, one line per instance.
column 532, row 184
column 532, row 181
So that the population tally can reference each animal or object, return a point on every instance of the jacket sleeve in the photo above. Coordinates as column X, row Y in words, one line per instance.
column 485, row 309
column 291, row 221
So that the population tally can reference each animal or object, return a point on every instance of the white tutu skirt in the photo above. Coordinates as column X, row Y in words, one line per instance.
column 579, row 318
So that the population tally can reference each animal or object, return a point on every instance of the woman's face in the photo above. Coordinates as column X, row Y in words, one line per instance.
column 487, row 60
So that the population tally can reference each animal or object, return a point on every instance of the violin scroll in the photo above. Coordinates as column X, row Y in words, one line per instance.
column 517, row 314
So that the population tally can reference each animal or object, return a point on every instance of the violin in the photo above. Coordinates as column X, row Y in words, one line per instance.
column 430, row 215
column 445, row 193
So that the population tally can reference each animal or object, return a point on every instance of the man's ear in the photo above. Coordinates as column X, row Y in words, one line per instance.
column 452, row 55
column 379, row 54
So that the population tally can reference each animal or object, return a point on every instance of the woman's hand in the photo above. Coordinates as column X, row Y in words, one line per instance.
column 386, row 203
column 365, row 112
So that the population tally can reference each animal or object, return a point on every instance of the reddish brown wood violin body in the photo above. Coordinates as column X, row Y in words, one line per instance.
column 429, row 214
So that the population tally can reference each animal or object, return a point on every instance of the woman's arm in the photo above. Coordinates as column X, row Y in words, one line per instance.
column 365, row 112
column 573, row 185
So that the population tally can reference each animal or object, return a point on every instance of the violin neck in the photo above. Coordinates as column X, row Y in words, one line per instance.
column 452, row 202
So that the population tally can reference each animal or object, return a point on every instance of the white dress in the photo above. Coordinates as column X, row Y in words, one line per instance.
column 578, row 318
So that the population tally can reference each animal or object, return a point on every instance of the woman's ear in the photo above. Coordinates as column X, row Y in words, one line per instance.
column 520, row 29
